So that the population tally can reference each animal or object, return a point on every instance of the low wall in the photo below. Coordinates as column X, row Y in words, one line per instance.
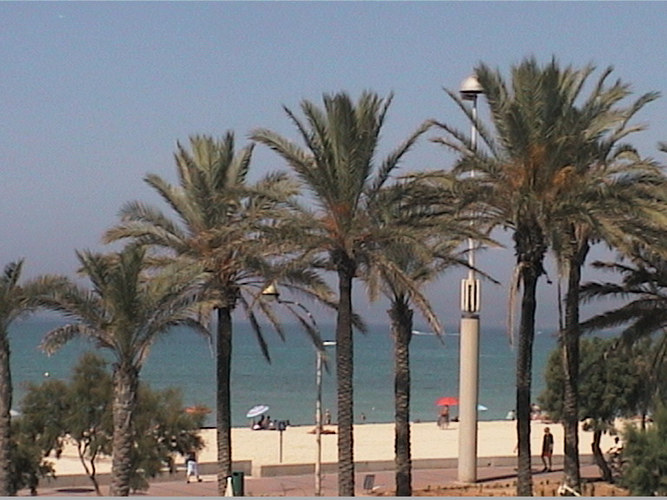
column 83, row 481
column 388, row 465
column 245, row 466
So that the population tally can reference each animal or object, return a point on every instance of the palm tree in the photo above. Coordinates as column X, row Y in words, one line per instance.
column 232, row 229
column 422, row 246
column 339, row 169
column 612, row 195
column 16, row 301
column 124, row 312
column 644, row 281
column 644, row 284
column 402, row 296
column 529, row 160
column 617, row 217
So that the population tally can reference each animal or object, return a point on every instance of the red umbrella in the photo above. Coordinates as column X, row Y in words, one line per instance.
column 447, row 401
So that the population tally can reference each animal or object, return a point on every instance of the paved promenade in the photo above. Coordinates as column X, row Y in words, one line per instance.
column 282, row 465
column 303, row 485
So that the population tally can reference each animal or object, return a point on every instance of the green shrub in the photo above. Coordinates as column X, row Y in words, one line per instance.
column 645, row 455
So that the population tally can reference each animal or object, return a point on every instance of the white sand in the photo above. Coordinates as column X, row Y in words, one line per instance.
column 371, row 442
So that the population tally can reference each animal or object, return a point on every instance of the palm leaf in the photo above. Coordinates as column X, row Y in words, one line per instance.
column 55, row 339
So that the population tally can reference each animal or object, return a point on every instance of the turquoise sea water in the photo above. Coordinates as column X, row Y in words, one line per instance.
column 287, row 385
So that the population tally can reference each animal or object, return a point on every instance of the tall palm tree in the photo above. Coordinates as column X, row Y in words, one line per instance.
column 124, row 312
column 612, row 195
column 422, row 246
column 232, row 229
column 338, row 167
column 530, row 155
column 16, row 301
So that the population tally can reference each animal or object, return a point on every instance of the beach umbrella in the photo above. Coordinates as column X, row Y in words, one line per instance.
column 447, row 401
column 256, row 411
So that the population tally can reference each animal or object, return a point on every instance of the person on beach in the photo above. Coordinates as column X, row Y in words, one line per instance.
column 327, row 417
column 535, row 411
column 547, row 449
column 264, row 422
column 443, row 419
column 192, row 470
column 616, row 449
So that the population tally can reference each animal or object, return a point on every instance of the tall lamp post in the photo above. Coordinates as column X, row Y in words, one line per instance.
column 469, row 339
column 271, row 291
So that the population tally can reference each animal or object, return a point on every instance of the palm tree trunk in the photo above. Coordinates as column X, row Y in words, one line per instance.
column 224, row 413
column 5, row 417
column 570, row 342
column 401, row 321
column 344, row 375
column 524, row 363
column 530, row 249
column 125, row 382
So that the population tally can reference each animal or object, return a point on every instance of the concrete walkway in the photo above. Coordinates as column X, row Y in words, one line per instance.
column 303, row 485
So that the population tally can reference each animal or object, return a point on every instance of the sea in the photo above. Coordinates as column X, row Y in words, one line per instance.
column 287, row 385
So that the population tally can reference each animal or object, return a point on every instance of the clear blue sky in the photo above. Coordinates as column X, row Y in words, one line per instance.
column 95, row 95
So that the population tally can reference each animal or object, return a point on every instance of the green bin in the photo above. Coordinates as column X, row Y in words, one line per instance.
column 238, row 486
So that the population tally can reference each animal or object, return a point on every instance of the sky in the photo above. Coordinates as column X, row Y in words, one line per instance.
column 96, row 95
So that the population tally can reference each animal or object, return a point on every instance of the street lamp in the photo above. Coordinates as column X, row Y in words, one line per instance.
column 469, row 338
column 271, row 291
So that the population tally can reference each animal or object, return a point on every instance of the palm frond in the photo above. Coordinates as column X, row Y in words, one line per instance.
column 391, row 162
column 11, row 274
column 644, row 280
column 57, row 338
column 257, row 330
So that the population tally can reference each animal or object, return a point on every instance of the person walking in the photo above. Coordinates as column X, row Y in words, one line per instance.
column 192, row 469
column 547, row 449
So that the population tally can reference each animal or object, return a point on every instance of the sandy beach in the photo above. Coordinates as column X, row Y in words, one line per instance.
column 372, row 442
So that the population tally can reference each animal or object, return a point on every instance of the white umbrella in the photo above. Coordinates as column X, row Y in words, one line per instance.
column 482, row 408
column 256, row 411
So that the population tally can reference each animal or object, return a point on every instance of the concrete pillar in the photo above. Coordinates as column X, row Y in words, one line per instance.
column 468, row 397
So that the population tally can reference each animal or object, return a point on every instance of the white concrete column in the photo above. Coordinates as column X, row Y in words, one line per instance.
column 468, row 398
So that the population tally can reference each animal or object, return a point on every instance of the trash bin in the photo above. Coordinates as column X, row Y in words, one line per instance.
column 238, row 485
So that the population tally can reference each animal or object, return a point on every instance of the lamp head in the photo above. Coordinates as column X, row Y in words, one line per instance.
column 271, row 292
column 470, row 88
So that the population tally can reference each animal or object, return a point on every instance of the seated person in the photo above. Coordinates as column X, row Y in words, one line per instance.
column 264, row 422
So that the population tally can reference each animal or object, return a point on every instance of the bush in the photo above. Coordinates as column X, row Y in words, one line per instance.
column 645, row 455
column 27, row 465
column 81, row 411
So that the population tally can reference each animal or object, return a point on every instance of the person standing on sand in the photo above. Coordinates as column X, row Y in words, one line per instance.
column 547, row 449
column 443, row 420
